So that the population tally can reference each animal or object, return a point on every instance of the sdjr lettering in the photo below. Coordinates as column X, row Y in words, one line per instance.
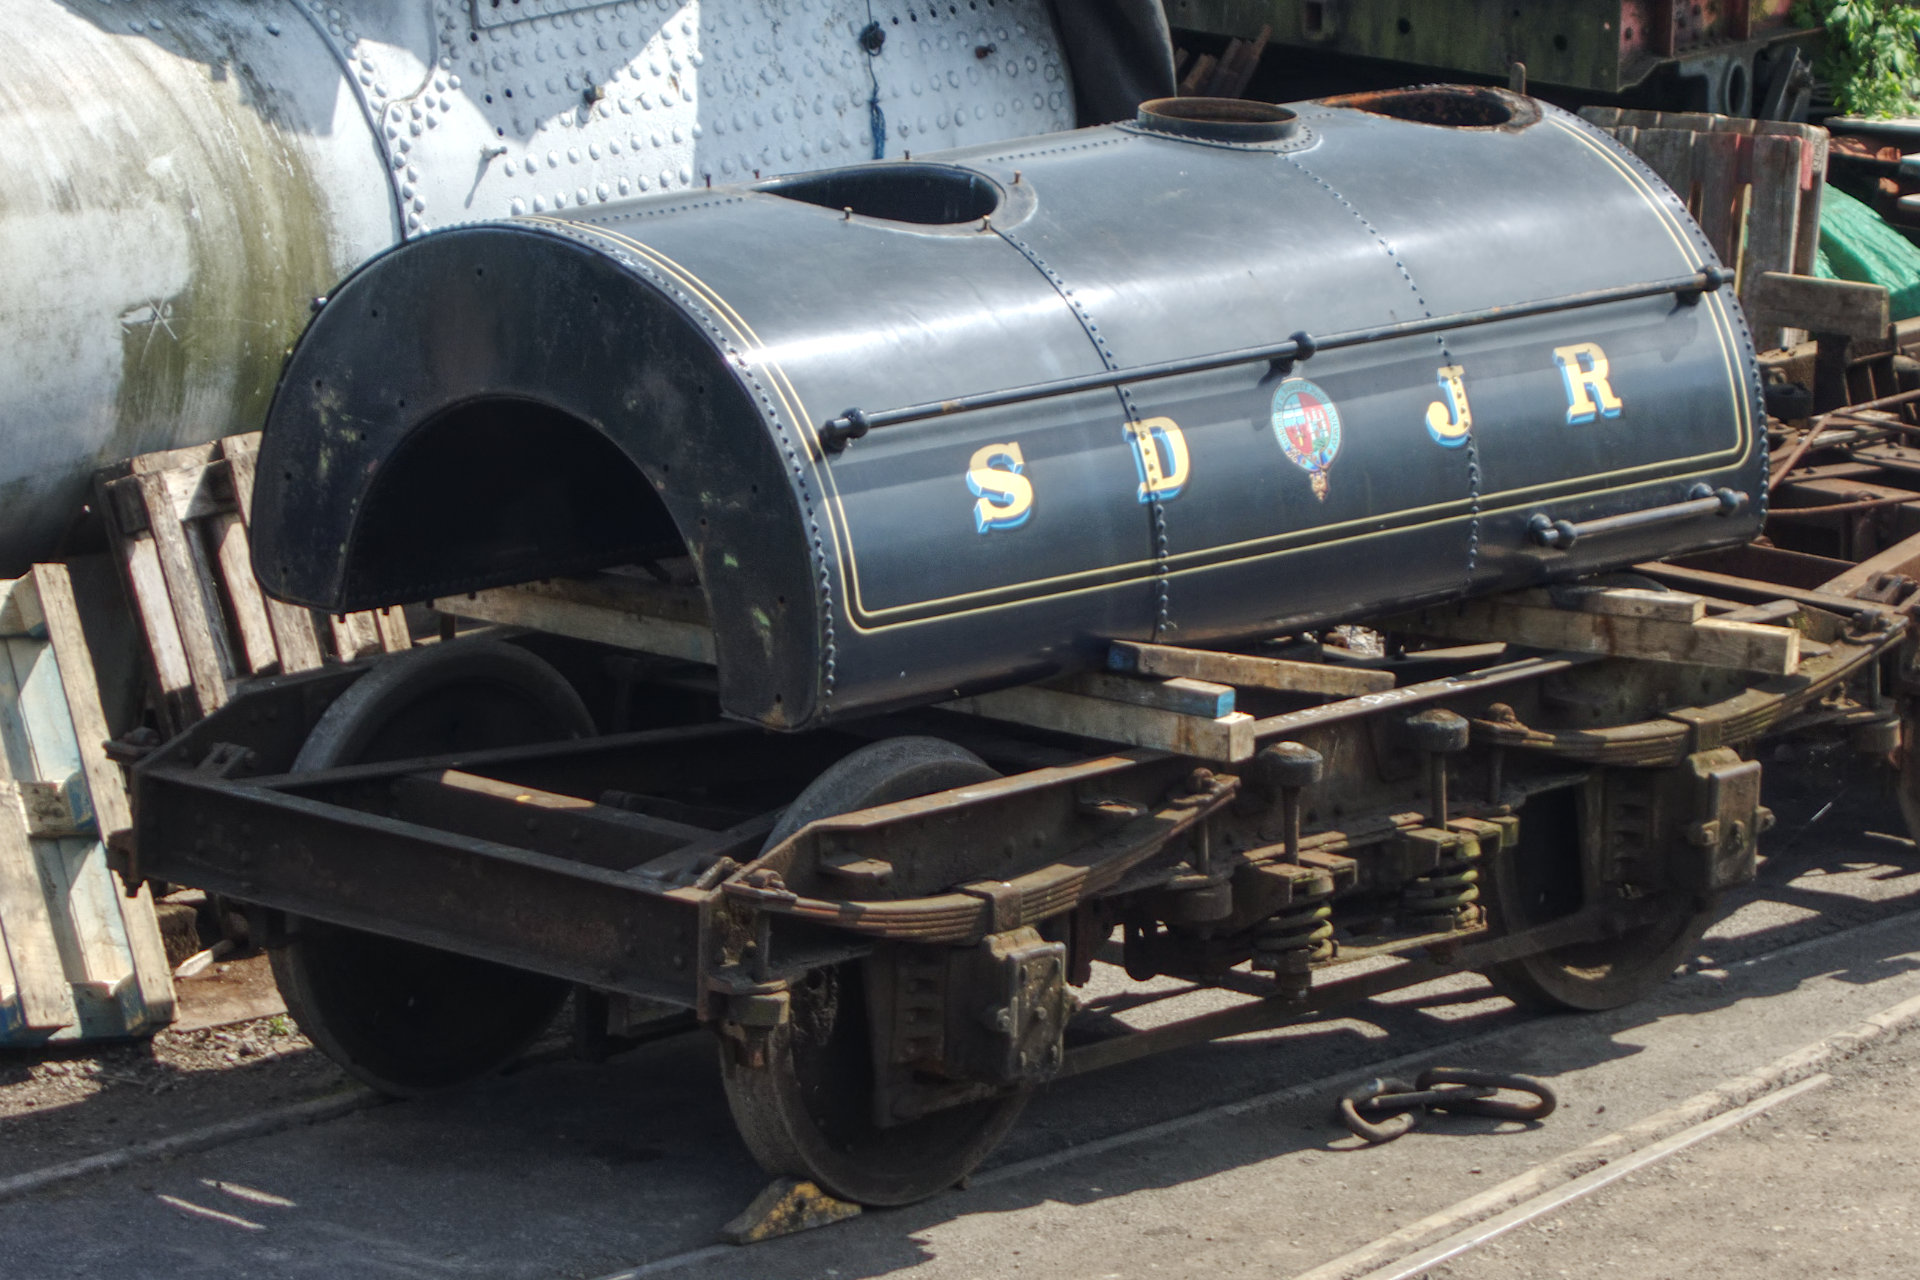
column 1583, row 369
column 1005, row 495
column 1160, row 456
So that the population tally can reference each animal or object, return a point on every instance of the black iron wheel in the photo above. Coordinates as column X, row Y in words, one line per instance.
column 1540, row 883
column 807, row 1108
column 404, row 1018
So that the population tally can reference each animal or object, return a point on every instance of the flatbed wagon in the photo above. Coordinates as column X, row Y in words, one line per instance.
column 1110, row 626
column 885, row 923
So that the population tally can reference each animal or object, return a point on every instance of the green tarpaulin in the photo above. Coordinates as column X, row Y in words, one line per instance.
column 1856, row 244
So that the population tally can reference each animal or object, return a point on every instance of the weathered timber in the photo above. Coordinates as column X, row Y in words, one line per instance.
column 1840, row 307
column 1226, row 738
column 1182, row 694
column 1246, row 671
column 1709, row 642
column 608, row 608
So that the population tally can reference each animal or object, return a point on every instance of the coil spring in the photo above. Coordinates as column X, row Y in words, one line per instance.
column 1448, row 897
column 1287, row 943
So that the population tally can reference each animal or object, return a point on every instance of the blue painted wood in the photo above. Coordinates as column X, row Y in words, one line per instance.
column 83, row 917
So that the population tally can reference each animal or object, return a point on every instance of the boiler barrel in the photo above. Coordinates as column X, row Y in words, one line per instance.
column 182, row 180
column 931, row 426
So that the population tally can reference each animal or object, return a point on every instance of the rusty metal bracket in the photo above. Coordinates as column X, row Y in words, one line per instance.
column 973, row 911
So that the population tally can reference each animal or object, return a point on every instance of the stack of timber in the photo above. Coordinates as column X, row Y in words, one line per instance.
column 1170, row 698
column 1225, row 75
column 1753, row 185
column 80, row 959
column 179, row 525
column 1619, row 622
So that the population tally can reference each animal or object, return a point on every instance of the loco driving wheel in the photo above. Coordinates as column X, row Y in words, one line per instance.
column 404, row 1018
column 807, row 1108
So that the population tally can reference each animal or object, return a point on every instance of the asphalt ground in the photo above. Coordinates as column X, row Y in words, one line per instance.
column 1220, row 1160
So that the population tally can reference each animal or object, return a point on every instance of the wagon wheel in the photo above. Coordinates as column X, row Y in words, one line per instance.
column 1542, row 884
column 404, row 1018
column 808, row 1109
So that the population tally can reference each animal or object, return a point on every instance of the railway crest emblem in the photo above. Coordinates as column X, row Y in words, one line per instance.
column 1307, row 425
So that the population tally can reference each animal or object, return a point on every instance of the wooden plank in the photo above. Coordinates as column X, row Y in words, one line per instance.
column 202, row 634
column 1628, row 136
column 193, row 455
column 545, row 611
column 1187, row 696
column 1226, row 739
column 1771, row 215
column 1248, row 61
column 1197, row 75
column 106, row 785
column 48, row 810
column 1813, row 181
column 1716, row 170
column 1839, row 307
column 20, row 613
column 1246, row 671
column 167, row 654
column 73, row 871
column 1619, row 602
column 40, row 975
column 1669, row 153
column 392, row 626
column 1710, row 642
column 250, row 618
column 1774, row 209
column 44, row 999
column 625, row 592
column 10, row 1021
column 196, row 489
column 355, row 636
column 293, row 633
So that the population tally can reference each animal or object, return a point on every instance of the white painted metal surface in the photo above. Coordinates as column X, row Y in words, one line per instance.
column 482, row 115
column 181, row 180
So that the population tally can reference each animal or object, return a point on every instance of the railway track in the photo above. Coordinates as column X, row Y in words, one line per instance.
column 409, row 1178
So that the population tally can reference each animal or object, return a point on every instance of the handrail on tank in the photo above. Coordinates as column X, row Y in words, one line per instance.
column 835, row 433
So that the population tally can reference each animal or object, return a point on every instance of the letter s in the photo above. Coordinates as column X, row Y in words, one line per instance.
column 1005, row 494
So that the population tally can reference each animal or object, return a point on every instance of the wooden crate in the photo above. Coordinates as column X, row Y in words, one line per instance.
column 179, row 525
column 78, row 958
column 1753, row 185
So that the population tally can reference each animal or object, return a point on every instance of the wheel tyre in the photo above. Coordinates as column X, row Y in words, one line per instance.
column 1594, row 976
column 807, row 1111
column 403, row 1018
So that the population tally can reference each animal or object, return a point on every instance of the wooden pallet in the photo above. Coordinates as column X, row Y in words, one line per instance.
column 1753, row 185
column 179, row 524
column 78, row 958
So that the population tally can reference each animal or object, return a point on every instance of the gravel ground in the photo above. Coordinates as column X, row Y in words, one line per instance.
column 1822, row 1185
column 87, row 1099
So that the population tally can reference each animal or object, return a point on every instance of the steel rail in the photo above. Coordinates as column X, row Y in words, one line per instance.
column 835, row 433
